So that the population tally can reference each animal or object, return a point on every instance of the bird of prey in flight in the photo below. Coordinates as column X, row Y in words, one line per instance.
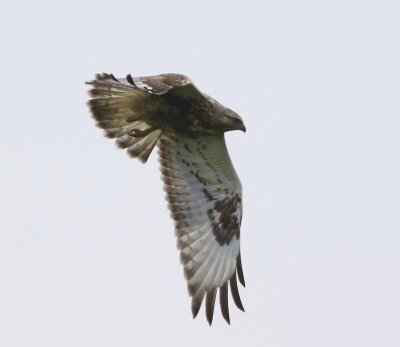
column 203, row 190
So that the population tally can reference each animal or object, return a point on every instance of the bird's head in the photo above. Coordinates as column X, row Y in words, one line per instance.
column 233, row 121
column 223, row 118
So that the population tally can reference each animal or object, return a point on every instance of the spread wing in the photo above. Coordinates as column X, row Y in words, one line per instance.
column 129, row 109
column 203, row 190
column 205, row 199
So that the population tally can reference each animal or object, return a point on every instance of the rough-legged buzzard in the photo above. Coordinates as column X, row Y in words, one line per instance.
column 203, row 190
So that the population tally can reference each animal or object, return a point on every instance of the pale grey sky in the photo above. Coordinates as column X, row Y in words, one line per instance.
column 87, row 250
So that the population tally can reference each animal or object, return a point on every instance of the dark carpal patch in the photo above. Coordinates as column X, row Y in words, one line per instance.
column 208, row 195
column 224, row 219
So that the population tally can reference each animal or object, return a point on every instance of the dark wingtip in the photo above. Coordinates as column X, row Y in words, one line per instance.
column 240, row 270
column 223, row 300
column 235, row 292
column 101, row 77
column 113, row 77
column 210, row 302
column 195, row 311
column 130, row 80
column 196, row 304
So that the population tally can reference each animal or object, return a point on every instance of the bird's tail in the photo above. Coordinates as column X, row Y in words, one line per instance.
column 120, row 109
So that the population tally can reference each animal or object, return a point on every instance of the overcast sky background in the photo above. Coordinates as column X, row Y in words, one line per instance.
column 87, row 249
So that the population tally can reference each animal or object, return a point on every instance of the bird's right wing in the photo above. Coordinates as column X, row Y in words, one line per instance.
column 205, row 199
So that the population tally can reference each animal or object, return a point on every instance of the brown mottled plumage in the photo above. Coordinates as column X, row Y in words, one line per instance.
column 203, row 191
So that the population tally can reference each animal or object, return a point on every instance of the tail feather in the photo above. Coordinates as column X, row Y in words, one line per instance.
column 123, row 112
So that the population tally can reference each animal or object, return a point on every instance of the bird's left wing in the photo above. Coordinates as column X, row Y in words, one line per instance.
column 129, row 109
column 205, row 198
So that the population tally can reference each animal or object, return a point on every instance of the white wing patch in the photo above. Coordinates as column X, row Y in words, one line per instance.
column 204, row 196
